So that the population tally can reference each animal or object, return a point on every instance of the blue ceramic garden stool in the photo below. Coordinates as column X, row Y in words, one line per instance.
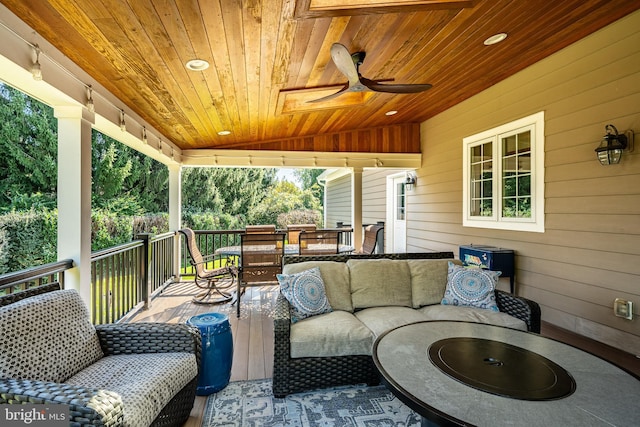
column 217, row 351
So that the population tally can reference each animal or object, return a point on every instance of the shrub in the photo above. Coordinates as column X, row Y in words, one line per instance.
column 212, row 221
column 29, row 239
column 108, row 229
column 152, row 223
column 4, row 245
column 300, row 216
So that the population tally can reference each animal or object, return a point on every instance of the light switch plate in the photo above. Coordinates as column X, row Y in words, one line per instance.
column 623, row 308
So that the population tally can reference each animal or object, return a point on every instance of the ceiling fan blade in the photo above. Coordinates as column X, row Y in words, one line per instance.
column 344, row 62
column 333, row 95
column 394, row 88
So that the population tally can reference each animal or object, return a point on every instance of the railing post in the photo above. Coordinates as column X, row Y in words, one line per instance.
column 345, row 236
column 145, row 268
column 380, row 239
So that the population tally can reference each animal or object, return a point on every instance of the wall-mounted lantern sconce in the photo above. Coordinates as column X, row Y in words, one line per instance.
column 410, row 181
column 612, row 145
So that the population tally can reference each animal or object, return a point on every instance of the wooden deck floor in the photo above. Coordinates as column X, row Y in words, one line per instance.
column 253, row 333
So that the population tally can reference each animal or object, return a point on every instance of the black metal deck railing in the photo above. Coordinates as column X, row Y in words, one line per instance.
column 118, row 278
column 126, row 277
column 35, row 276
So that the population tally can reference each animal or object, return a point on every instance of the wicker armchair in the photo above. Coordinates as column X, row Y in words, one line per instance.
column 23, row 379
column 293, row 375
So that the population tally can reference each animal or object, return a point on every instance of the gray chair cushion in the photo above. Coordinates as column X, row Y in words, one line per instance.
column 47, row 337
column 145, row 382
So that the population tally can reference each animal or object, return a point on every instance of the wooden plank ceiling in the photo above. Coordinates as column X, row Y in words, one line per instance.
column 264, row 53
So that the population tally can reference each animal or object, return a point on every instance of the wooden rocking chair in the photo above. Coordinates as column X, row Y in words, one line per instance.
column 214, row 282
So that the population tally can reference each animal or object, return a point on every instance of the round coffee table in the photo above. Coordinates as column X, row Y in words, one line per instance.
column 460, row 373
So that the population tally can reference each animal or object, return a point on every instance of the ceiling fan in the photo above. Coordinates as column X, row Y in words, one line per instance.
column 349, row 65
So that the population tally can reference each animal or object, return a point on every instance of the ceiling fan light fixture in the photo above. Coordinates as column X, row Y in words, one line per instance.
column 197, row 65
column 349, row 65
column 495, row 39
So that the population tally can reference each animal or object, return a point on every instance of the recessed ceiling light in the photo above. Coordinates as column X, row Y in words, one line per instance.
column 197, row 65
column 224, row 132
column 494, row 39
column 390, row 113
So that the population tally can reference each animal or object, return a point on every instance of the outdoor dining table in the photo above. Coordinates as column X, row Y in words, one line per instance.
column 289, row 249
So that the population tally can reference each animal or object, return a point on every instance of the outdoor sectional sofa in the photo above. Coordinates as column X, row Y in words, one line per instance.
column 136, row 375
column 370, row 294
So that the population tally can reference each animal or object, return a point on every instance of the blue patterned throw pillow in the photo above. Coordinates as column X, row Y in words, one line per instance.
column 305, row 292
column 472, row 287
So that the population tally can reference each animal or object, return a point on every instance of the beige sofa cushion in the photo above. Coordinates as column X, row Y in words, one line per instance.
column 472, row 314
column 338, row 333
column 335, row 276
column 382, row 319
column 428, row 280
column 379, row 282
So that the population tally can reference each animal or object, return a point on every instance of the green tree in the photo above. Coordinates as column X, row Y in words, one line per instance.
column 284, row 197
column 232, row 191
column 308, row 177
column 28, row 142
column 125, row 181
column 309, row 180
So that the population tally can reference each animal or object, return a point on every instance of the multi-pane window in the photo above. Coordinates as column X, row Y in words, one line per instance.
column 504, row 176
column 516, row 175
column 400, row 205
column 482, row 179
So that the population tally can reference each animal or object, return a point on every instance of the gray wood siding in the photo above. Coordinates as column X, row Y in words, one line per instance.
column 374, row 195
column 589, row 253
column 338, row 201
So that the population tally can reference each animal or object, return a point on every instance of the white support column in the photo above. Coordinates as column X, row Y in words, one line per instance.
column 175, row 211
column 74, row 195
column 356, row 207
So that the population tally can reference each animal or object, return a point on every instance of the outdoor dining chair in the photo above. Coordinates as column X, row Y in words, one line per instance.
column 293, row 232
column 251, row 229
column 260, row 261
column 214, row 281
column 319, row 242
column 371, row 233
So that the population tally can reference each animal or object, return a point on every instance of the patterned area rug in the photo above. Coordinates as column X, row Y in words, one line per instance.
column 251, row 403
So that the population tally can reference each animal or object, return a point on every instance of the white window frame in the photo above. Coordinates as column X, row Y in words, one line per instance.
column 535, row 123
